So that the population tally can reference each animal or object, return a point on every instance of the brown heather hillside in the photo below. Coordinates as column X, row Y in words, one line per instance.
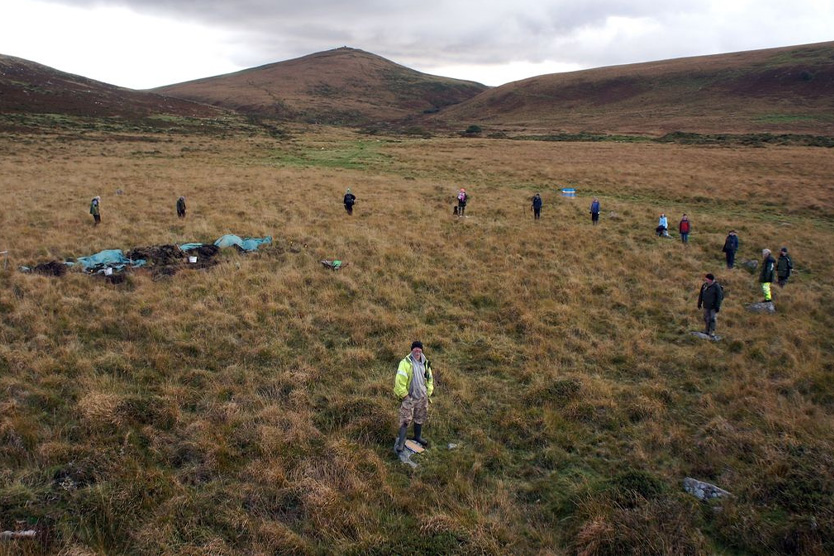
column 29, row 89
column 342, row 86
column 780, row 90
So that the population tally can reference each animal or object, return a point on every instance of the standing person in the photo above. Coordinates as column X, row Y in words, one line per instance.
column 766, row 275
column 350, row 199
column 784, row 266
column 595, row 211
column 413, row 386
column 662, row 226
column 181, row 207
column 95, row 210
column 683, row 228
column 463, row 197
column 710, row 298
column 730, row 248
column 537, row 206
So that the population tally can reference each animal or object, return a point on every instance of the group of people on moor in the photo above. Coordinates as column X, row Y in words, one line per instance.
column 414, row 380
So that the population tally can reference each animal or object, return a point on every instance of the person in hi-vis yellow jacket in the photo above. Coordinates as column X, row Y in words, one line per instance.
column 413, row 386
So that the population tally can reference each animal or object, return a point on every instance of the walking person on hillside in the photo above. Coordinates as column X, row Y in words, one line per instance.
column 710, row 298
column 784, row 266
column 594, row 211
column 463, row 198
column 766, row 275
column 730, row 248
column 684, row 228
column 662, row 226
column 95, row 210
column 349, row 200
column 537, row 206
column 181, row 207
column 413, row 386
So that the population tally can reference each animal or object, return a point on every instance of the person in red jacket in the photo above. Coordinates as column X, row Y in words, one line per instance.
column 684, row 228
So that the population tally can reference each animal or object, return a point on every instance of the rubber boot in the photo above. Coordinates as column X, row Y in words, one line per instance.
column 418, row 436
column 399, row 445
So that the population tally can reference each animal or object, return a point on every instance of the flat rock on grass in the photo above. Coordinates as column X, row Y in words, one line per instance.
column 762, row 308
column 702, row 490
column 705, row 336
column 411, row 448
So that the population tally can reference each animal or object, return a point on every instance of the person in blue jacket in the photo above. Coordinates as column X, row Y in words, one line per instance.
column 730, row 248
column 537, row 206
column 595, row 211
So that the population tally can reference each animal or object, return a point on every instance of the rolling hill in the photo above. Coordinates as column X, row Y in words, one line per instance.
column 780, row 90
column 30, row 88
column 344, row 86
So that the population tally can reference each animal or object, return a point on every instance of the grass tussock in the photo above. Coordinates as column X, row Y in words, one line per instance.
column 245, row 407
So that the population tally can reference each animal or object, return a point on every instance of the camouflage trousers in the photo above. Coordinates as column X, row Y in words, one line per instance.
column 416, row 410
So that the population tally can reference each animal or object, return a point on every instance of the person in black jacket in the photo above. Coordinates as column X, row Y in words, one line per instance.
column 784, row 266
column 766, row 275
column 181, row 207
column 730, row 248
column 537, row 206
column 350, row 199
column 710, row 298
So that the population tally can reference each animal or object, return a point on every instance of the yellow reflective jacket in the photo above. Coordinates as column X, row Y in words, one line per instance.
column 405, row 373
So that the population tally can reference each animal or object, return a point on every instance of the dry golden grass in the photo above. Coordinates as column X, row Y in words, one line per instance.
column 246, row 407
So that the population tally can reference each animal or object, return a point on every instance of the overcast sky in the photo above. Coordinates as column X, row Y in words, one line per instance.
column 148, row 43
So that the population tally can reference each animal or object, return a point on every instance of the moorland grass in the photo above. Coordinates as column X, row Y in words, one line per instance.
column 247, row 407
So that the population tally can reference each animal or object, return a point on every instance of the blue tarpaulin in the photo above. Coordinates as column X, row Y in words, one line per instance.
column 248, row 244
column 109, row 258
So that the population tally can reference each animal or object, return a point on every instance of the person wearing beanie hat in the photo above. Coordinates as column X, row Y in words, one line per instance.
column 413, row 386
column 766, row 275
column 784, row 266
column 710, row 298
column 349, row 201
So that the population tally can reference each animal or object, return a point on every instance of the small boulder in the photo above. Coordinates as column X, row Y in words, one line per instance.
column 762, row 307
column 702, row 490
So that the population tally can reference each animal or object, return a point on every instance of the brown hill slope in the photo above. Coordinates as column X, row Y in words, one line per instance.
column 341, row 86
column 30, row 88
column 781, row 90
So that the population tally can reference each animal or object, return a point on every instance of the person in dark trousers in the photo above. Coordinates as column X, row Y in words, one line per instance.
column 413, row 386
column 784, row 266
column 181, row 207
column 537, row 206
column 766, row 275
column 710, row 298
column 730, row 248
column 595, row 211
column 349, row 201
column 684, row 228
column 95, row 210
column 463, row 198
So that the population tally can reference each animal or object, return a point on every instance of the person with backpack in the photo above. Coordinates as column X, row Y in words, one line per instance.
column 730, row 248
column 463, row 197
column 784, row 266
column 537, row 206
column 349, row 201
column 181, row 207
column 594, row 211
column 95, row 210
column 413, row 386
column 684, row 228
column 710, row 298
column 766, row 275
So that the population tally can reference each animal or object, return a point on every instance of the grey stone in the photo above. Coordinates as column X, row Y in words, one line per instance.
column 706, row 336
column 702, row 490
column 762, row 307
